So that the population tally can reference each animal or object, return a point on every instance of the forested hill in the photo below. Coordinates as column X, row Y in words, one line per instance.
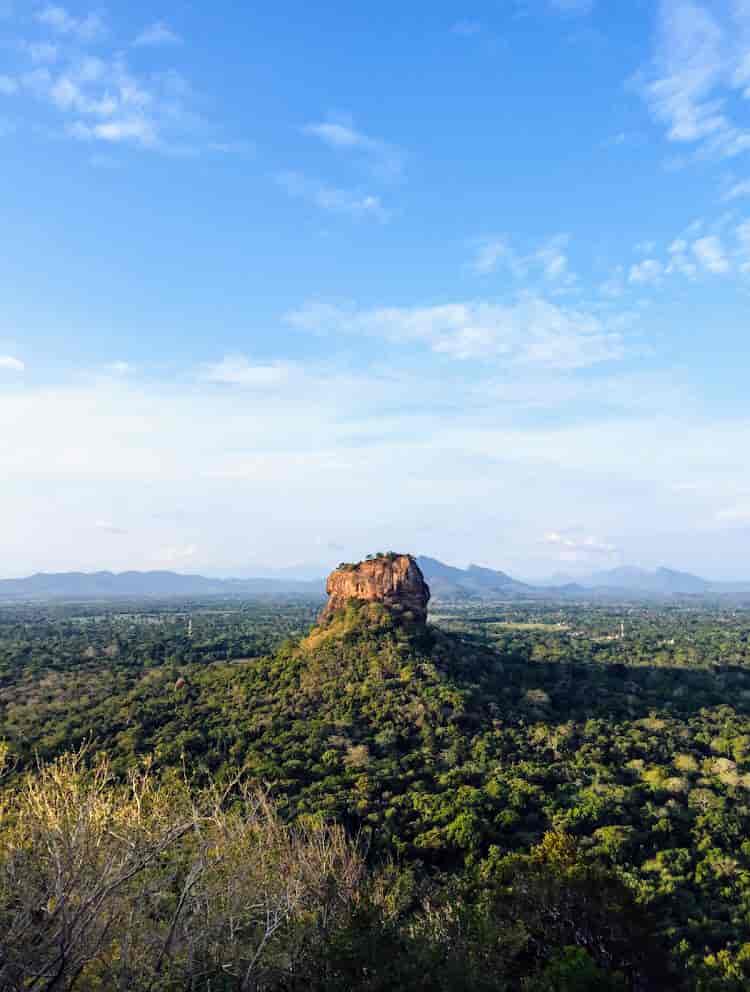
column 597, row 807
column 412, row 739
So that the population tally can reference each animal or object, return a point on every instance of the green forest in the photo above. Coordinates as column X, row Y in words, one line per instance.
column 212, row 795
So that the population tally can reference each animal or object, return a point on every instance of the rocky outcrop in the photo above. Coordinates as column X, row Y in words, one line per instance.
column 394, row 580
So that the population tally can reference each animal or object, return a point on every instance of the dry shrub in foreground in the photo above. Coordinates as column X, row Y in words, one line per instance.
column 146, row 887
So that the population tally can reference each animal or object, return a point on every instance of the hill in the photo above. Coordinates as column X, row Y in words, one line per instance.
column 546, row 804
column 662, row 581
column 474, row 582
column 487, row 873
column 539, row 810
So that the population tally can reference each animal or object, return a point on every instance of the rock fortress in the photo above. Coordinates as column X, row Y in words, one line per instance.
column 392, row 579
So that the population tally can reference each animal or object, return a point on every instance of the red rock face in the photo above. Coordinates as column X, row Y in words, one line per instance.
column 396, row 581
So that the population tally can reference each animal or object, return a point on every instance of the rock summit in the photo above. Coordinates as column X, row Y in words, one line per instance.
column 392, row 579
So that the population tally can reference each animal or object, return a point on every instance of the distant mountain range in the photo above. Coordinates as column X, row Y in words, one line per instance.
column 445, row 581
column 475, row 582
column 132, row 585
column 662, row 581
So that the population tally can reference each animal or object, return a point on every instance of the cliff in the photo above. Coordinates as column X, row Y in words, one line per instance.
column 394, row 580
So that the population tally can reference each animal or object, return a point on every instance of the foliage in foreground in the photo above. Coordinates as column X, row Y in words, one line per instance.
column 455, row 756
column 139, row 887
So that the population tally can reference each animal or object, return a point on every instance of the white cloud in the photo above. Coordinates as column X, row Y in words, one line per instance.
column 549, row 260
column 139, row 130
column 334, row 199
column 104, row 100
column 234, row 461
column 58, row 19
column 237, row 370
column 99, row 96
column 386, row 161
column 700, row 62
column 10, row 364
column 489, row 253
column 553, row 259
column 578, row 544
column 681, row 265
column 339, row 135
column 532, row 331
column 710, row 254
column 158, row 33
column 737, row 191
column 687, row 258
column 679, row 261
column 648, row 272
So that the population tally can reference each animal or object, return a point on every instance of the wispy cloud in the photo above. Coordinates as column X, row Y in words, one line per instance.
column 737, row 190
column 104, row 100
column 332, row 198
column 679, row 261
column 725, row 251
column 700, row 62
column 384, row 160
column 157, row 34
column 237, row 370
column 10, row 364
column 647, row 272
column 578, row 544
column 58, row 19
column 549, row 260
column 533, row 331
column 709, row 252
column 554, row 260
column 489, row 254
column 97, row 94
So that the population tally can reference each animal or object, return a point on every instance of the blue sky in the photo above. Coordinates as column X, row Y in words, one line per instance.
column 283, row 286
